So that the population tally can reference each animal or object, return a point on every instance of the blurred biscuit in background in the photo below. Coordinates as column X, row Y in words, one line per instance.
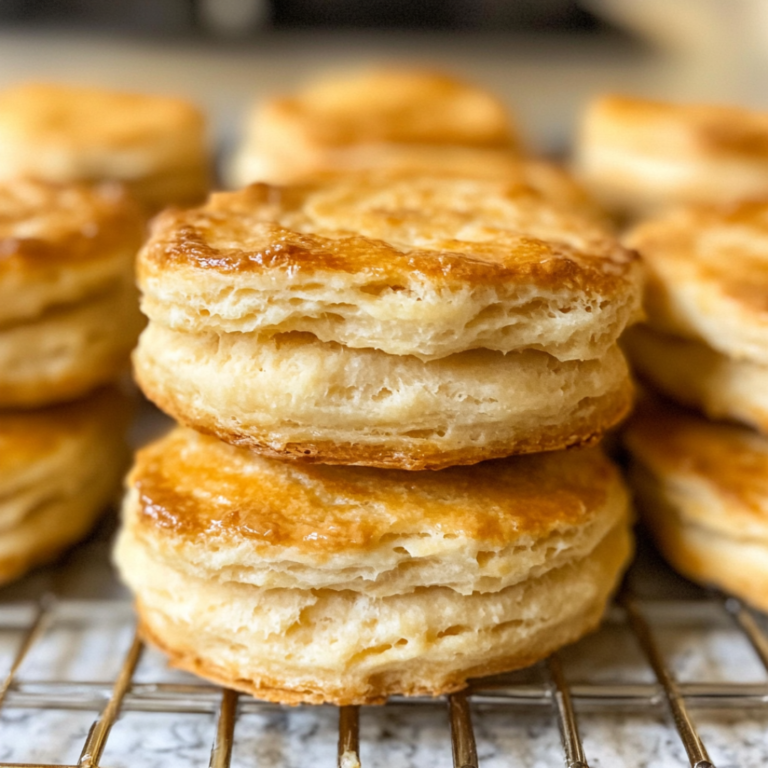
column 702, row 489
column 379, row 119
column 638, row 156
column 155, row 145
column 68, row 305
column 347, row 585
column 59, row 467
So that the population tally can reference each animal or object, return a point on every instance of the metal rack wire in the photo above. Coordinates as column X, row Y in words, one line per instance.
column 555, row 697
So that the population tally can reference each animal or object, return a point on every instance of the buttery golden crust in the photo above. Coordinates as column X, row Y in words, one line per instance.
column 427, row 265
column 66, row 133
column 364, row 121
column 59, row 467
column 703, row 488
column 708, row 276
column 61, row 243
column 638, row 155
column 362, row 583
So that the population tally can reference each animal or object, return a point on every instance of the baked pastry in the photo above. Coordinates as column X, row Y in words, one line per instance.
column 377, row 312
column 68, row 306
column 377, row 119
column 347, row 585
column 696, row 375
column 703, row 492
column 638, row 155
column 707, row 276
column 59, row 468
column 155, row 145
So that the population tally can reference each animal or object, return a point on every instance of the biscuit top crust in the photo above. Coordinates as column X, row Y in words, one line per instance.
column 724, row 247
column 45, row 225
column 390, row 105
column 393, row 231
column 731, row 461
column 136, row 133
column 191, row 486
column 662, row 128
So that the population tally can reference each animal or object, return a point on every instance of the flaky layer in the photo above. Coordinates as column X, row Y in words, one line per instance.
column 696, row 375
column 295, row 397
column 425, row 266
column 639, row 156
column 219, row 512
column 707, row 271
column 294, row 645
column 67, row 352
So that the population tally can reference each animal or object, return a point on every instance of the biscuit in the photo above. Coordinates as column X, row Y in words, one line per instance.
column 62, row 243
column 294, row 397
column 348, row 585
column 155, row 145
column 59, row 467
column 696, row 375
column 707, row 276
column 638, row 156
column 425, row 266
column 363, row 121
column 703, row 492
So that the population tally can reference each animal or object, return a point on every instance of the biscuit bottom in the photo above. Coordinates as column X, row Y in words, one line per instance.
column 347, row 647
column 294, row 397
column 68, row 351
column 697, row 375
column 702, row 489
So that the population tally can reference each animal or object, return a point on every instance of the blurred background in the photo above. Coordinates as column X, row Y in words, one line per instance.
column 546, row 57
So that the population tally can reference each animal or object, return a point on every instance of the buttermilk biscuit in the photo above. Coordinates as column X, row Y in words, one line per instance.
column 425, row 266
column 376, row 119
column 68, row 307
column 59, row 467
column 347, row 585
column 637, row 155
column 707, row 276
column 155, row 145
column 292, row 396
column 696, row 375
column 703, row 491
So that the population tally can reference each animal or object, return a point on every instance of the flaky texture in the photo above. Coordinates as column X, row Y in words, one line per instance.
column 707, row 276
column 348, row 585
column 356, row 122
column 696, row 375
column 425, row 266
column 703, row 489
column 294, row 397
column 639, row 156
column 59, row 467
column 66, row 352
column 61, row 243
column 156, row 145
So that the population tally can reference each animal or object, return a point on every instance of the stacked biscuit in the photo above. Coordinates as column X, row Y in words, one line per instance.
column 69, row 313
column 705, row 344
column 325, row 345
column 68, row 320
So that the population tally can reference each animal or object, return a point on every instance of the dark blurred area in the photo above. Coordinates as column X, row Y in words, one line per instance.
column 243, row 18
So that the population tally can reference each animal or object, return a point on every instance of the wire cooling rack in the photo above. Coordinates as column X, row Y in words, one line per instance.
column 568, row 686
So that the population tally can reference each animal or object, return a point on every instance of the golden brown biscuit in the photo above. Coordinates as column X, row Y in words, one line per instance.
column 155, row 145
column 293, row 397
column 68, row 307
column 425, row 266
column 348, row 585
column 707, row 276
column 696, row 375
column 364, row 121
column 703, row 491
column 638, row 155
column 59, row 467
